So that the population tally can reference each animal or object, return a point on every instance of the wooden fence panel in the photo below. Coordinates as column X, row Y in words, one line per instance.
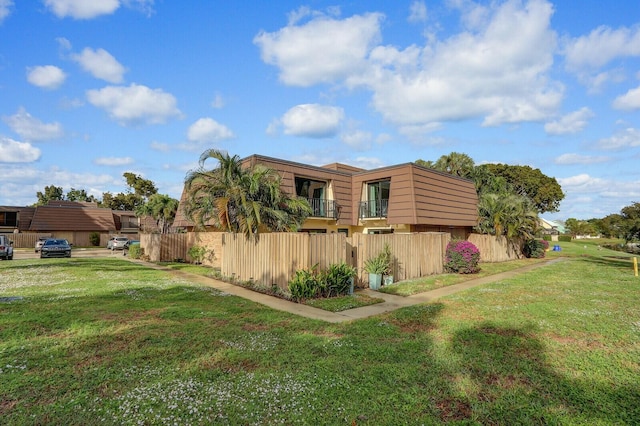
column 274, row 258
column 495, row 249
column 414, row 255
column 25, row 239
column 270, row 259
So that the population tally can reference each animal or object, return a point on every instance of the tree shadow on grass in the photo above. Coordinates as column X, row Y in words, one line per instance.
column 515, row 384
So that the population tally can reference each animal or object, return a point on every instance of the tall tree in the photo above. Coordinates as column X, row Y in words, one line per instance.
column 244, row 200
column 51, row 193
column 79, row 195
column 162, row 208
column 542, row 190
column 138, row 193
column 140, row 186
column 455, row 163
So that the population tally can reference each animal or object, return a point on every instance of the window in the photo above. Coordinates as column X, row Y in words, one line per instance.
column 316, row 193
column 8, row 219
column 377, row 202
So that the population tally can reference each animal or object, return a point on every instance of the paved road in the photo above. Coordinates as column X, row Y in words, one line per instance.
column 77, row 252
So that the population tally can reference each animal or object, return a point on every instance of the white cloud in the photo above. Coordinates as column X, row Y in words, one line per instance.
column 17, row 152
column 629, row 101
column 5, row 9
column 101, row 64
column 497, row 69
column 46, row 76
column 135, row 104
column 82, row 9
column 357, row 139
column 600, row 47
column 573, row 158
column 312, row 120
column 499, row 72
column 344, row 45
column 31, row 129
column 208, row 130
column 160, row 146
column 218, row 101
column 113, row 161
column 573, row 122
column 626, row 138
column 367, row 163
column 417, row 12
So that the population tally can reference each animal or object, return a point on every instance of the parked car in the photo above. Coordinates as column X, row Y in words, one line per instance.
column 55, row 247
column 117, row 243
column 40, row 242
column 6, row 248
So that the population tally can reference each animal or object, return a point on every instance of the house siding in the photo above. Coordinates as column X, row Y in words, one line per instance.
column 419, row 198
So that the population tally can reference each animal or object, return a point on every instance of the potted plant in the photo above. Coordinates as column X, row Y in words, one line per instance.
column 377, row 267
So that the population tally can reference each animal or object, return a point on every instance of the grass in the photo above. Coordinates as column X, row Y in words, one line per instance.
column 105, row 341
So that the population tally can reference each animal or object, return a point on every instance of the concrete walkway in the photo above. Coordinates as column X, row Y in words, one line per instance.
column 391, row 302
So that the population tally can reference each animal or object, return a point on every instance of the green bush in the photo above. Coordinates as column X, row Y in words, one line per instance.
column 338, row 279
column 197, row 253
column 564, row 238
column 135, row 251
column 462, row 257
column 305, row 284
column 535, row 249
column 546, row 237
column 94, row 239
column 311, row 284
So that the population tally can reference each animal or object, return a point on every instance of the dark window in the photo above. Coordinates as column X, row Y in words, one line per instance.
column 8, row 219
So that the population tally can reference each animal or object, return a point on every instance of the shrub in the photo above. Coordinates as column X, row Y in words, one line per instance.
column 305, row 284
column 135, row 251
column 546, row 237
column 311, row 284
column 94, row 239
column 338, row 279
column 564, row 238
column 197, row 253
column 535, row 248
column 462, row 257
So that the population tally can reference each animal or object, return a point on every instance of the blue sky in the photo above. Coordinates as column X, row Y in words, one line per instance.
column 92, row 89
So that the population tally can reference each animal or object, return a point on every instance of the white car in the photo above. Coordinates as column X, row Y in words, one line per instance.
column 117, row 243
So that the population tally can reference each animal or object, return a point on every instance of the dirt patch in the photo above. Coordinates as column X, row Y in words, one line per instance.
column 452, row 410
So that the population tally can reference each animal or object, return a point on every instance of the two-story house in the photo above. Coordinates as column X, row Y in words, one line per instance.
column 400, row 198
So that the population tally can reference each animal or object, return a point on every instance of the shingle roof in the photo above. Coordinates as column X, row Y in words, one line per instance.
column 72, row 218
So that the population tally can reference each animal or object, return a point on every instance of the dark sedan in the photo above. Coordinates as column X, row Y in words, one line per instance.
column 54, row 247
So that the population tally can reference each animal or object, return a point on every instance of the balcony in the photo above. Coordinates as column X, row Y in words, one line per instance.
column 327, row 209
column 374, row 209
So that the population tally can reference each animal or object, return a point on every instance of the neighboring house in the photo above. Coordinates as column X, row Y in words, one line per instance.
column 550, row 227
column 74, row 221
column 400, row 198
column 15, row 219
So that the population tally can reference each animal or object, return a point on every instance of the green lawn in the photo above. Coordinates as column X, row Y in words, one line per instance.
column 105, row 341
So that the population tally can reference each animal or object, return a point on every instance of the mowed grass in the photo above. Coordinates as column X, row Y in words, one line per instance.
column 106, row 341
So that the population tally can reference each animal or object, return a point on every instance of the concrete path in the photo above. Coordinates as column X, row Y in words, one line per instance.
column 391, row 302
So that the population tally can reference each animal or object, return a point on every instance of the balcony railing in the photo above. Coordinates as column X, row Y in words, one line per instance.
column 376, row 208
column 323, row 208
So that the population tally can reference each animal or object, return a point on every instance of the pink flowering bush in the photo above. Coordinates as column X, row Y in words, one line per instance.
column 462, row 257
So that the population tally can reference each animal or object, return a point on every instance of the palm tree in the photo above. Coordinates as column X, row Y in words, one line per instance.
column 506, row 214
column 160, row 207
column 244, row 200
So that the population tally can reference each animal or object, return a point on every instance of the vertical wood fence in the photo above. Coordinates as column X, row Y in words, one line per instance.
column 273, row 259
column 495, row 249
